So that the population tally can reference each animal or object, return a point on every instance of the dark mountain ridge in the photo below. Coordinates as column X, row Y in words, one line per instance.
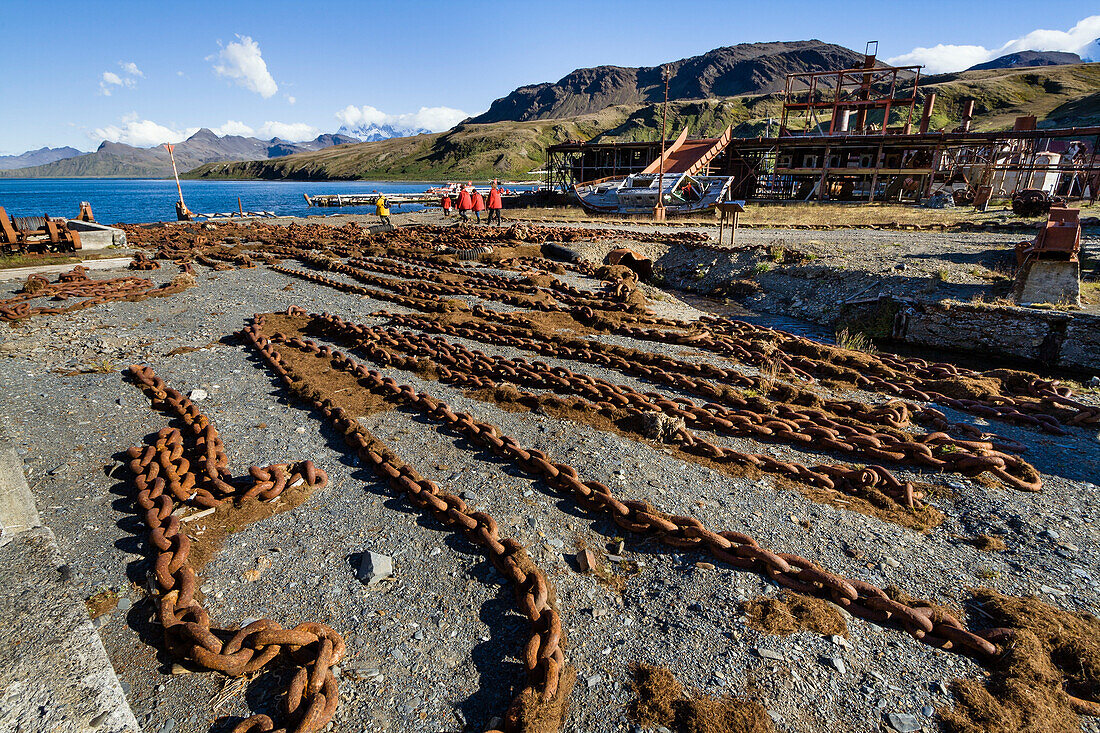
column 747, row 68
column 1029, row 58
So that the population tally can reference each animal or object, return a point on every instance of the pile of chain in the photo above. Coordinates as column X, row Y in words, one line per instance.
column 926, row 622
column 76, row 284
column 549, row 680
column 188, row 466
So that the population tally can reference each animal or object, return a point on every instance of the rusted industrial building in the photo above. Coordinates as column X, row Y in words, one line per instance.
column 857, row 135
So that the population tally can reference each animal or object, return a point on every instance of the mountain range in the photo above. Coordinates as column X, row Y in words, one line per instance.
column 37, row 157
column 126, row 161
column 747, row 68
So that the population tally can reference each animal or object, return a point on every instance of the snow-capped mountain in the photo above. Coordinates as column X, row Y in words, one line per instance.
column 372, row 132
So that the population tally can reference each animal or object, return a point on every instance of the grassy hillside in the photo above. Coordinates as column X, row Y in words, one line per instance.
column 1061, row 96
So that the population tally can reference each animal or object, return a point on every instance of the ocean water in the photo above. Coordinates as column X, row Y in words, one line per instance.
column 140, row 200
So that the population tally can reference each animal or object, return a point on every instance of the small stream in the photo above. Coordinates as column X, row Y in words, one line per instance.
column 978, row 362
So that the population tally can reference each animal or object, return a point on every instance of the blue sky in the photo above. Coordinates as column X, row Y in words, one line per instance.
column 143, row 72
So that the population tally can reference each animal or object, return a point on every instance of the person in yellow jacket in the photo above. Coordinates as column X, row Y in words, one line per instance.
column 382, row 209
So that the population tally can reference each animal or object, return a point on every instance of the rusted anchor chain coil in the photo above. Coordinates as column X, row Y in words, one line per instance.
column 76, row 284
column 188, row 466
column 549, row 679
column 792, row 424
column 927, row 623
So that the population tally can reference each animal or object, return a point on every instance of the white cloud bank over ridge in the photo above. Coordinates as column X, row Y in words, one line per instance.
column 1082, row 39
column 426, row 118
column 146, row 133
column 242, row 61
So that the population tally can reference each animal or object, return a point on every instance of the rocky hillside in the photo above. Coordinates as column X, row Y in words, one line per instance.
column 502, row 149
column 748, row 68
column 126, row 161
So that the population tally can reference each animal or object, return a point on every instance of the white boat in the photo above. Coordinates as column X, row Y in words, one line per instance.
column 637, row 194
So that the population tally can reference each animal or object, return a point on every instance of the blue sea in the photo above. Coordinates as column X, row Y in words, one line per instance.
column 140, row 200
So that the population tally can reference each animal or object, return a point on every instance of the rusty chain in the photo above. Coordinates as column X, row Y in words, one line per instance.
column 76, row 284
column 543, row 658
column 188, row 466
column 924, row 621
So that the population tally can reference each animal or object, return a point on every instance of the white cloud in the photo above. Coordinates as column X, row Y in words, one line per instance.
column 1080, row 39
column 241, row 60
column 293, row 131
column 431, row 118
column 111, row 79
column 140, row 133
column 290, row 99
column 233, row 127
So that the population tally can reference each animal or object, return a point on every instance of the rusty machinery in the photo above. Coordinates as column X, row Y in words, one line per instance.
column 1032, row 202
column 35, row 234
column 1059, row 239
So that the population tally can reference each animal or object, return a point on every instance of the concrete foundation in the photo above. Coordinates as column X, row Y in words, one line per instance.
column 96, row 236
column 55, row 675
column 1056, row 282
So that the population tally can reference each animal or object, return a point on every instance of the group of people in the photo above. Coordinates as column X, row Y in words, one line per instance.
column 470, row 199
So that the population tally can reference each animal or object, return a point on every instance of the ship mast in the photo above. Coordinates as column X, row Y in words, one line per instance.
column 659, row 208
column 182, row 214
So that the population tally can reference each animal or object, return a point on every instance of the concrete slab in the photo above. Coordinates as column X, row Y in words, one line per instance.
column 96, row 236
column 55, row 675
column 54, row 672
column 18, row 512
column 20, row 273
column 1050, row 281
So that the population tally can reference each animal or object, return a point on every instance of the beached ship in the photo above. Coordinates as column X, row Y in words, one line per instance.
column 637, row 194
column 681, row 172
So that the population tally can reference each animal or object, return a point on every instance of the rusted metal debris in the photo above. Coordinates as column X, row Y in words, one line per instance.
column 1059, row 239
column 34, row 234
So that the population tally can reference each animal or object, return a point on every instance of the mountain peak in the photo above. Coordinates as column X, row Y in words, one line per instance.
column 746, row 68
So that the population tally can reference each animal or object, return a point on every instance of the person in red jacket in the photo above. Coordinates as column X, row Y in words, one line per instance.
column 479, row 205
column 446, row 203
column 464, row 204
column 495, row 204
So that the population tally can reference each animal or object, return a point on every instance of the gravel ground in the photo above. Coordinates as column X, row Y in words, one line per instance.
column 434, row 648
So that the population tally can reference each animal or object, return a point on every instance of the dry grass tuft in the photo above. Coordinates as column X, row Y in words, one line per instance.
column 1053, row 655
column 660, row 700
column 792, row 612
column 854, row 341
